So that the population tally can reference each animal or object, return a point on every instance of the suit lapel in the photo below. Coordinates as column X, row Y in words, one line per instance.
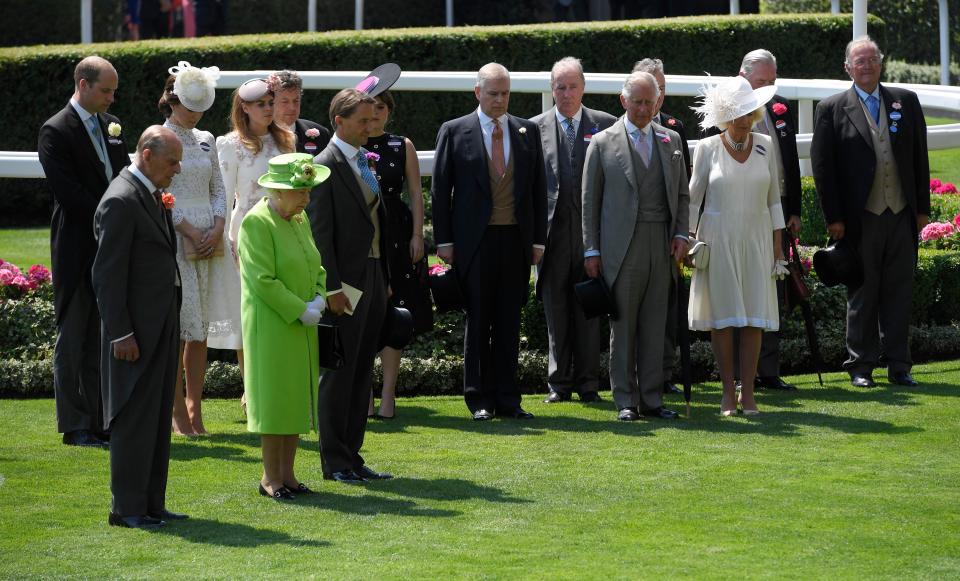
column 887, row 99
column 665, row 152
column 621, row 147
column 474, row 135
column 517, row 146
column 551, row 143
column 150, row 207
column 345, row 172
column 84, row 142
column 854, row 111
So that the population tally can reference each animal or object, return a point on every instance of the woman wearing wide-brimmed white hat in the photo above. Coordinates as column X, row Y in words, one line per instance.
column 735, row 181
column 211, row 300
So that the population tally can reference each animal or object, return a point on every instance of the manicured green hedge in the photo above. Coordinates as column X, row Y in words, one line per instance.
column 806, row 46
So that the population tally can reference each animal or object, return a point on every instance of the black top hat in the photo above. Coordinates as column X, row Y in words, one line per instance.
column 397, row 330
column 595, row 298
column 380, row 79
column 445, row 290
column 839, row 263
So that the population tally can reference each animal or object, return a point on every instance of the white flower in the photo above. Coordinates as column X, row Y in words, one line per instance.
column 114, row 129
column 195, row 87
column 523, row 130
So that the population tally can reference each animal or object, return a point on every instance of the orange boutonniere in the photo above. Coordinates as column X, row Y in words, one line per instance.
column 168, row 200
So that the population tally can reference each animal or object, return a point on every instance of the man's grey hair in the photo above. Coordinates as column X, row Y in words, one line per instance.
column 857, row 42
column 156, row 138
column 635, row 79
column 648, row 65
column 761, row 56
column 567, row 63
column 491, row 71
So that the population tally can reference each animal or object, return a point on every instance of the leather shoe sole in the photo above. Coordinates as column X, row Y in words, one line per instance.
column 135, row 522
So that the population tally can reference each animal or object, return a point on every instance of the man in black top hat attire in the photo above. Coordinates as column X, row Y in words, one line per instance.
column 869, row 154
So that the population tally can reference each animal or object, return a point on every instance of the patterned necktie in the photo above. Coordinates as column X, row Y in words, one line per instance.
column 365, row 173
column 643, row 147
column 873, row 104
column 571, row 135
column 499, row 164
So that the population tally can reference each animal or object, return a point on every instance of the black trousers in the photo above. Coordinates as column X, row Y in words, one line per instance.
column 345, row 393
column 76, row 364
column 140, row 434
column 495, row 286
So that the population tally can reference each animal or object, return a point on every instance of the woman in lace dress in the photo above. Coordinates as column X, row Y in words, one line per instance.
column 210, row 307
column 735, row 180
column 244, row 154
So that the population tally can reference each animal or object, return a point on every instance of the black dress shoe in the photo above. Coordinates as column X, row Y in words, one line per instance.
column 662, row 413
column 556, row 397
column 482, row 415
column 773, row 382
column 628, row 415
column 590, row 397
column 518, row 414
column 370, row 474
column 380, row 416
column 670, row 388
column 84, row 438
column 167, row 515
column 345, row 476
column 135, row 522
column 282, row 493
column 862, row 380
column 902, row 378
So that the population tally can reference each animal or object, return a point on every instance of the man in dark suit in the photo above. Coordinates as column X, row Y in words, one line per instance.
column 81, row 150
column 574, row 340
column 287, row 88
column 137, row 285
column 490, row 222
column 349, row 221
column 654, row 66
column 635, row 206
column 869, row 156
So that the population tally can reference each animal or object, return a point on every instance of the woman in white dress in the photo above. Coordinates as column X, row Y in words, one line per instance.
column 735, row 180
column 244, row 155
column 208, row 277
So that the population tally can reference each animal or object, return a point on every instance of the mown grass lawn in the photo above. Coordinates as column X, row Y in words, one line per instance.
column 829, row 483
column 25, row 246
column 944, row 163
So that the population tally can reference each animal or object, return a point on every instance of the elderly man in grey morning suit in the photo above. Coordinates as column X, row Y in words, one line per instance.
column 635, row 209
column 574, row 340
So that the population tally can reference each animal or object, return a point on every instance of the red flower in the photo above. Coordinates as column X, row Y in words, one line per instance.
column 168, row 200
column 779, row 108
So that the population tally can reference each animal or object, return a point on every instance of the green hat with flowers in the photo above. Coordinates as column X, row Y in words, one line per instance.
column 293, row 171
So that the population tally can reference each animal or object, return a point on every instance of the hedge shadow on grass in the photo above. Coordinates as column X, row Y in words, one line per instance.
column 369, row 504
column 227, row 534
column 788, row 424
column 188, row 450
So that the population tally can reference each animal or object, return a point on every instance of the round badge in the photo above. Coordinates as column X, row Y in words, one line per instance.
column 896, row 115
column 310, row 146
column 781, row 124
column 893, row 129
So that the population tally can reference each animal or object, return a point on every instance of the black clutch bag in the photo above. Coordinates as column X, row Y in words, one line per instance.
column 330, row 347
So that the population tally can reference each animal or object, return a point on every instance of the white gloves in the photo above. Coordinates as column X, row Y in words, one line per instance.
column 780, row 269
column 318, row 303
column 311, row 316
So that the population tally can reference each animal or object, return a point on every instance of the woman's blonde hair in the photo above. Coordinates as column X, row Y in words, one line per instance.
column 239, row 122
column 755, row 118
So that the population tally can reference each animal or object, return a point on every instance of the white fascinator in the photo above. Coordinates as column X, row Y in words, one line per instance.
column 195, row 87
column 728, row 99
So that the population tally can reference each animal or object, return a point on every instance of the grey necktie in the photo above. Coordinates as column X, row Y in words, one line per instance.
column 570, row 134
column 643, row 147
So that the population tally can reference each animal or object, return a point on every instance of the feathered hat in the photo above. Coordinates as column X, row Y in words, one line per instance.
column 195, row 87
column 728, row 99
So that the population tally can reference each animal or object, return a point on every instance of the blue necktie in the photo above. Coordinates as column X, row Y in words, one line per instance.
column 570, row 134
column 873, row 104
column 94, row 128
column 365, row 172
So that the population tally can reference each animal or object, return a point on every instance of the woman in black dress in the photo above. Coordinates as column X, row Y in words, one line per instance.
column 397, row 169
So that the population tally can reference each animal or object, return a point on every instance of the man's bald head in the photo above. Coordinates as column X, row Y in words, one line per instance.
column 158, row 155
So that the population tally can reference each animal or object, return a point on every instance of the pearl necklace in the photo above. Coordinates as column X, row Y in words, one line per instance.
column 736, row 145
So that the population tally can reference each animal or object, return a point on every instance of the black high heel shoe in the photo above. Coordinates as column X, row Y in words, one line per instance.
column 282, row 493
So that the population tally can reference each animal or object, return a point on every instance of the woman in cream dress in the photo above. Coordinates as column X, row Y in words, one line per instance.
column 244, row 155
column 735, row 180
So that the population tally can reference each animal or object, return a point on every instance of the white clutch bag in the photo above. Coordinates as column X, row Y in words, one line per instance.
column 698, row 256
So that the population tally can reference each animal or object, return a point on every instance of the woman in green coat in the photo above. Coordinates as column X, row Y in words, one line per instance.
column 282, row 298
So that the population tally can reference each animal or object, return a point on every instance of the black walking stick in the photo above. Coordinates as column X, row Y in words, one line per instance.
column 683, row 333
column 798, row 293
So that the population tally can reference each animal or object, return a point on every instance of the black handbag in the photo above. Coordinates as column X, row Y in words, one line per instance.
column 330, row 347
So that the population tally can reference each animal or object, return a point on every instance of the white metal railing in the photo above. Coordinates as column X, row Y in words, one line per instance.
column 17, row 164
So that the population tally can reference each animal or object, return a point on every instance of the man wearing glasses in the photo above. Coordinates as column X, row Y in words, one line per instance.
column 869, row 156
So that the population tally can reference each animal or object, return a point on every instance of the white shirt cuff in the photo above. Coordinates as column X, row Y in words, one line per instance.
column 591, row 252
column 445, row 244
column 333, row 292
column 127, row 336
column 540, row 246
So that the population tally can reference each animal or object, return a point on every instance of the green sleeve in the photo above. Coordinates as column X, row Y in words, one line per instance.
column 258, row 268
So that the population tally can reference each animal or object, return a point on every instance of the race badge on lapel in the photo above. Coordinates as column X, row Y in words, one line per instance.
column 310, row 146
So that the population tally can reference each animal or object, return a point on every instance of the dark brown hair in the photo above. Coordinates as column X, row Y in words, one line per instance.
column 346, row 102
column 168, row 98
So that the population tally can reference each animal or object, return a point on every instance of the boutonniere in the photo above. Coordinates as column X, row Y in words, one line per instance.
column 671, row 122
column 372, row 158
column 779, row 108
column 664, row 138
column 114, row 129
column 312, row 132
column 896, row 105
column 522, row 130
column 168, row 200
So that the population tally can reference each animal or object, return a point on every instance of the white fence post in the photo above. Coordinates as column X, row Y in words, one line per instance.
column 312, row 16
column 734, row 6
column 805, row 125
column 944, row 43
column 358, row 15
column 859, row 18
column 86, row 21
